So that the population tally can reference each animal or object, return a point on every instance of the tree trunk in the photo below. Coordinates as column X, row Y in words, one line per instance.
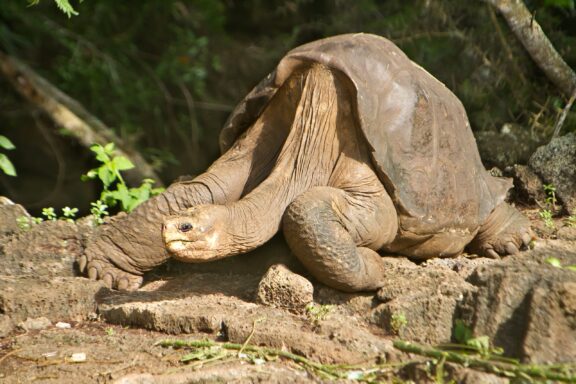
column 530, row 34
column 70, row 115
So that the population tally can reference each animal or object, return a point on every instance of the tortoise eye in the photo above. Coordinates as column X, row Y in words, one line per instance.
column 185, row 227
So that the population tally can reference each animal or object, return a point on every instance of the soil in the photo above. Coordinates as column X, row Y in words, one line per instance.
column 523, row 303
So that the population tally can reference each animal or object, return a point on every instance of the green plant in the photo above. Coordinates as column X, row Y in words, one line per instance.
column 570, row 221
column 23, row 222
column 555, row 262
column 63, row 5
column 69, row 214
column 49, row 214
column 5, row 164
column 481, row 344
column 98, row 210
column 317, row 312
column 110, row 331
column 546, row 216
column 115, row 190
column 550, row 191
column 398, row 321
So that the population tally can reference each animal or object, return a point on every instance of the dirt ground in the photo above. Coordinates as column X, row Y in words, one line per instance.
column 56, row 327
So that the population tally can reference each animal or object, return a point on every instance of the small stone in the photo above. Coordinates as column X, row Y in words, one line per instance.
column 35, row 324
column 282, row 288
column 63, row 325
column 78, row 357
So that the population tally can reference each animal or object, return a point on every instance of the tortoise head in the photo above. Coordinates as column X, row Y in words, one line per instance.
column 197, row 234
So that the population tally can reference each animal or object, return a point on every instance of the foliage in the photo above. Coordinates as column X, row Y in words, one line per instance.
column 167, row 73
column 49, row 213
column 98, row 210
column 481, row 344
column 63, row 5
column 5, row 164
column 547, row 212
column 555, row 262
column 546, row 216
column 115, row 189
column 317, row 312
column 550, row 191
column 398, row 321
column 206, row 352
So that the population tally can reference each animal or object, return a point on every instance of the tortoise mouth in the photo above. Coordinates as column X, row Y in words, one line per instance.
column 190, row 251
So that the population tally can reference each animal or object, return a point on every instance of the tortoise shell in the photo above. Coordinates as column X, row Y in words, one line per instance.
column 421, row 143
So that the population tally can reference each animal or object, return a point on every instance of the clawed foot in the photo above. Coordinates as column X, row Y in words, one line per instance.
column 506, row 232
column 112, row 276
column 97, row 264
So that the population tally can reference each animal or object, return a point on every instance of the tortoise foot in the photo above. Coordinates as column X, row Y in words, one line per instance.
column 505, row 232
column 104, row 260
column 111, row 275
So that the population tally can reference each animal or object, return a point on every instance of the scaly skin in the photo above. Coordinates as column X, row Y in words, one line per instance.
column 323, row 164
column 127, row 247
column 506, row 232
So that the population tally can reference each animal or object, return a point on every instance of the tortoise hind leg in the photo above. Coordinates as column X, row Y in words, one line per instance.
column 335, row 234
column 505, row 232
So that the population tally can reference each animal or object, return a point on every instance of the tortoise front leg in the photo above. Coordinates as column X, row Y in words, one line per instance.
column 335, row 234
column 129, row 246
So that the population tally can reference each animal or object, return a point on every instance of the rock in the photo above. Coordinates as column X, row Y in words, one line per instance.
column 528, row 187
column 47, row 249
column 512, row 145
column 55, row 298
column 567, row 232
column 463, row 375
column 419, row 303
column 555, row 163
column 282, row 288
column 210, row 305
column 9, row 214
column 35, row 324
column 235, row 372
column 526, row 306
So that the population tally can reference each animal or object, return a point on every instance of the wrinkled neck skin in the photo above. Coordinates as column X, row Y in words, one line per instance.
column 307, row 159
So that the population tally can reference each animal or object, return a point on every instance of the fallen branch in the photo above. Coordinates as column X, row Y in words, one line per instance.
column 70, row 115
column 207, row 350
column 563, row 115
column 535, row 41
column 506, row 369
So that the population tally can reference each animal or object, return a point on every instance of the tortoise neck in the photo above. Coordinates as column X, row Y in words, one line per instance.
column 307, row 159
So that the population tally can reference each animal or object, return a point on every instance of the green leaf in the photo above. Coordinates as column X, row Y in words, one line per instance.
column 106, row 175
column 571, row 267
column 6, row 165
column 554, row 262
column 481, row 343
column 109, row 148
column 100, row 152
column 462, row 333
column 64, row 6
column 122, row 163
column 6, row 143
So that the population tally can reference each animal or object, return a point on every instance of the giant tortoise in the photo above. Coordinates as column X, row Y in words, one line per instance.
column 351, row 149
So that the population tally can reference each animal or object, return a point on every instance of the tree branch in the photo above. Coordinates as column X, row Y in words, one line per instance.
column 535, row 41
column 70, row 115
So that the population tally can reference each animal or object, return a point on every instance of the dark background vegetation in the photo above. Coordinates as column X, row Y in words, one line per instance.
column 165, row 74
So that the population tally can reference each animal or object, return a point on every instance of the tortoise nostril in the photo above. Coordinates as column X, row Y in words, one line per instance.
column 185, row 227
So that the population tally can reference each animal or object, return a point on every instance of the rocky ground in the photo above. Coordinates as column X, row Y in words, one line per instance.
column 58, row 327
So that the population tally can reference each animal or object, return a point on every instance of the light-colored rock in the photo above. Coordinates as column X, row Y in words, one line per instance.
column 282, row 288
